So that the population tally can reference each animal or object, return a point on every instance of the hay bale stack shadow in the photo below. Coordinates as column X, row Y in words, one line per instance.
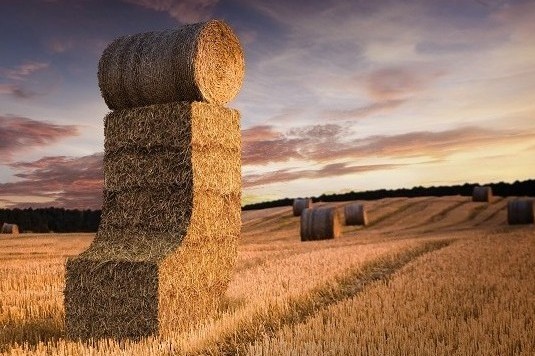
column 164, row 251
column 520, row 211
column 482, row 194
column 355, row 214
column 301, row 204
column 12, row 229
column 320, row 224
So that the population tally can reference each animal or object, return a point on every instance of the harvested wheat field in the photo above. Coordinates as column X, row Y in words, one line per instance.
column 426, row 276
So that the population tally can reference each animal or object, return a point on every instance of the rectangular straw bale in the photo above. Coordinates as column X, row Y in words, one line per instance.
column 96, row 289
column 178, row 240
column 129, row 168
column 148, row 209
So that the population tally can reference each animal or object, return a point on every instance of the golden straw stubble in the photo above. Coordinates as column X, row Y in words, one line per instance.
column 198, row 62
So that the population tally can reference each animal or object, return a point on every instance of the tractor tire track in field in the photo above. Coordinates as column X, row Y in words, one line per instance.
column 298, row 309
column 392, row 219
column 425, row 219
column 265, row 221
column 490, row 214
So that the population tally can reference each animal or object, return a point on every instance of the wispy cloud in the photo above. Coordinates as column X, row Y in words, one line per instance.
column 59, row 45
column 64, row 181
column 323, row 143
column 360, row 112
column 22, row 71
column 27, row 80
column 517, row 18
column 20, row 134
column 263, row 144
column 185, row 11
column 77, row 182
column 329, row 170
column 394, row 83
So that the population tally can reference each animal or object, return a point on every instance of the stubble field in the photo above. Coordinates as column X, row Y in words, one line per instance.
column 428, row 276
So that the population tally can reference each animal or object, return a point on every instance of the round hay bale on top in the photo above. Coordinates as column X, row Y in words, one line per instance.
column 520, row 211
column 198, row 62
column 355, row 214
column 301, row 204
column 320, row 224
column 10, row 229
column 482, row 194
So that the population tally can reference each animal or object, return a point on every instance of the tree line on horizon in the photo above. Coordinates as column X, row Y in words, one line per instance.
column 43, row 220
column 518, row 188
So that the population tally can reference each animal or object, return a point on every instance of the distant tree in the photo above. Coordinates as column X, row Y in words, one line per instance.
column 525, row 188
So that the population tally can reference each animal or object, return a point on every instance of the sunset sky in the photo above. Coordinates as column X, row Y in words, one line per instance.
column 338, row 95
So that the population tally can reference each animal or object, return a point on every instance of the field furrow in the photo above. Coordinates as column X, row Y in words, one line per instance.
column 392, row 287
column 474, row 297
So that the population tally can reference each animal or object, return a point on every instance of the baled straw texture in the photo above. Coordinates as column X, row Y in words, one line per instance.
column 520, row 211
column 10, row 229
column 165, row 248
column 198, row 62
column 301, row 204
column 482, row 194
column 355, row 214
column 320, row 224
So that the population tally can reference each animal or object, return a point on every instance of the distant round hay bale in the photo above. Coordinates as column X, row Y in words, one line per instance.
column 520, row 211
column 355, row 214
column 320, row 224
column 198, row 62
column 482, row 194
column 301, row 204
column 10, row 229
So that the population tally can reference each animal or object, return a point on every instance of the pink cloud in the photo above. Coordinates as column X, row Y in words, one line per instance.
column 518, row 19
column 22, row 71
column 394, row 83
column 324, row 143
column 20, row 134
column 28, row 80
column 59, row 45
column 68, row 182
column 185, row 11
column 363, row 111
column 263, row 144
column 329, row 170
column 77, row 182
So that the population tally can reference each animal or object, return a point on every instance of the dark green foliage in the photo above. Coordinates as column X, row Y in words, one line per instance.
column 525, row 188
column 52, row 219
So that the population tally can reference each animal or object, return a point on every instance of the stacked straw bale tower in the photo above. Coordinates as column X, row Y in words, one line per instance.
column 167, row 241
column 482, row 194
column 301, row 204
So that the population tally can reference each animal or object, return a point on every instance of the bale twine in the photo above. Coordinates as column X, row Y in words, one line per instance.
column 10, row 229
column 198, row 62
column 164, row 251
column 482, row 194
column 320, row 224
column 355, row 214
column 301, row 204
column 520, row 211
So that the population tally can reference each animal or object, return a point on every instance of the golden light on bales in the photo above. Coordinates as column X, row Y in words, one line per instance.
column 167, row 241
